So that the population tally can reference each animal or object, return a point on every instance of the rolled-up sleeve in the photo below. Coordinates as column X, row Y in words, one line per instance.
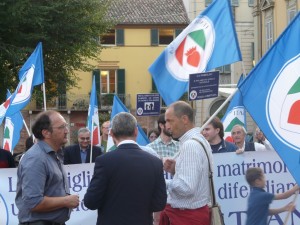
column 33, row 175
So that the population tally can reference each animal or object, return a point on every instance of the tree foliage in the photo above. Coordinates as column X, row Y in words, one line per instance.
column 68, row 29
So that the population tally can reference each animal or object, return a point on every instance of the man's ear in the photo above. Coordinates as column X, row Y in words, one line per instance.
column 161, row 125
column 46, row 133
column 136, row 131
column 185, row 119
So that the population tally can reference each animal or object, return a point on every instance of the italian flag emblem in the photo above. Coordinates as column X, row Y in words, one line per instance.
column 290, row 111
column 24, row 90
column 189, row 52
column 8, row 131
column 4, row 107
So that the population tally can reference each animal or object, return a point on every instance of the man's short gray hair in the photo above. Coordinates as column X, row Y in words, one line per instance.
column 83, row 130
column 240, row 126
column 123, row 125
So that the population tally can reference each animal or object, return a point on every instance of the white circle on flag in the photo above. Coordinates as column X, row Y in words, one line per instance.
column 181, row 70
column 280, row 102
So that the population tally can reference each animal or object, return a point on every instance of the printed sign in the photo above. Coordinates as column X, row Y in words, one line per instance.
column 148, row 105
column 203, row 85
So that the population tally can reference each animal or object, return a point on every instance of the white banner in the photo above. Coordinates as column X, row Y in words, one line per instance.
column 79, row 177
column 231, row 188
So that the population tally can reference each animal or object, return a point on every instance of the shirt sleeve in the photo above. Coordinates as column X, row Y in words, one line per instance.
column 34, row 178
column 259, row 147
column 268, row 145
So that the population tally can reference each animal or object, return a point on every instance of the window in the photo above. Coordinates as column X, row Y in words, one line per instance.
column 109, row 38
column 250, row 3
column 291, row 10
column 224, row 69
column 216, row 105
column 207, row 2
column 235, row 3
column 269, row 32
column 108, row 81
column 166, row 36
column 225, row 74
column 162, row 36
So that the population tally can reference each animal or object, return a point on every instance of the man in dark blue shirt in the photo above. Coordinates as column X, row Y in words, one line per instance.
column 214, row 134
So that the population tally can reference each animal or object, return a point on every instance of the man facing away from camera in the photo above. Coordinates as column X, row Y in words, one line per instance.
column 128, row 183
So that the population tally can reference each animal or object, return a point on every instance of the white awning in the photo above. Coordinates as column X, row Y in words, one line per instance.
column 225, row 92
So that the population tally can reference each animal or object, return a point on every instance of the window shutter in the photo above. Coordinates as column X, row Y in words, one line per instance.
column 154, row 37
column 154, row 89
column 121, row 81
column 96, row 73
column 120, row 37
column 235, row 3
column 177, row 32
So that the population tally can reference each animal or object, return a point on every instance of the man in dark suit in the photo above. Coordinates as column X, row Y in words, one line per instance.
column 128, row 183
column 80, row 153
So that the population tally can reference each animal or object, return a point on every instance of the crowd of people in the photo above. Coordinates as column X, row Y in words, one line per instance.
column 128, row 185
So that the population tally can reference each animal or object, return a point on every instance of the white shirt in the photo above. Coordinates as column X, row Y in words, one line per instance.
column 260, row 147
column 189, row 188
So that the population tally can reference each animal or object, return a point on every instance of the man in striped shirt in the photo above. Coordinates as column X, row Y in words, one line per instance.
column 188, row 191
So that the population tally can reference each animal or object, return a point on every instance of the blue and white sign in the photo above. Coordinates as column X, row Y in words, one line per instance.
column 148, row 104
column 203, row 85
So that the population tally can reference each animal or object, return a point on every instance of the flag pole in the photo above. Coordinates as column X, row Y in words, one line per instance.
column 44, row 96
column 289, row 213
column 219, row 109
column 28, row 132
column 92, row 139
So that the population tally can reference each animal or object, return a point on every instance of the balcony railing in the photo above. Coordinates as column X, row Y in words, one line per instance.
column 79, row 102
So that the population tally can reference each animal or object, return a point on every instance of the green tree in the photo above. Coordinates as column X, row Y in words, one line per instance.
column 68, row 29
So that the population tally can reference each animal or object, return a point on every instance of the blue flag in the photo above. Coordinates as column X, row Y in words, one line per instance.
column 4, row 106
column 207, row 43
column 118, row 107
column 235, row 114
column 12, row 130
column 30, row 75
column 271, row 94
column 93, row 118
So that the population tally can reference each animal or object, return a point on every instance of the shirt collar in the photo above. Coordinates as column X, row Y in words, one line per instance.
column 189, row 134
column 126, row 142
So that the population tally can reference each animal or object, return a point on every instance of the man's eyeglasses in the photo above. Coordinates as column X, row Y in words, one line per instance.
column 84, row 138
column 62, row 127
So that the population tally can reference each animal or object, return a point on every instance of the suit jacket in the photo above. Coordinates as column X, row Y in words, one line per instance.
column 249, row 146
column 127, row 186
column 72, row 154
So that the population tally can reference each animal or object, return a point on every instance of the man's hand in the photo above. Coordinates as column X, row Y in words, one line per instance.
column 72, row 201
column 169, row 166
column 239, row 151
